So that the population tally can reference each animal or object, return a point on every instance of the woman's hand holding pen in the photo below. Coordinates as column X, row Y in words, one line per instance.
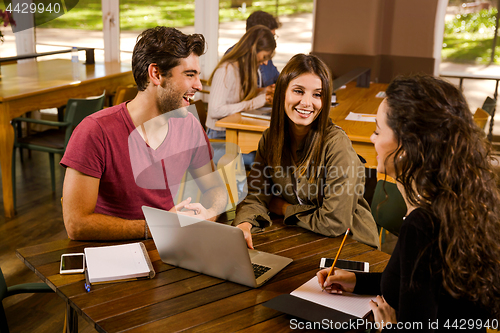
column 338, row 282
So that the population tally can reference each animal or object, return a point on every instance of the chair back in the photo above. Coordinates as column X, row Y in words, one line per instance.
column 481, row 118
column 124, row 93
column 3, row 293
column 388, row 210
column 202, row 112
column 24, row 288
column 3, row 286
column 233, row 174
column 78, row 109
column 489, row 105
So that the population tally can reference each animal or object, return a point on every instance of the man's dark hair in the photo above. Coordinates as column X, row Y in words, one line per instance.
column 165, row 47
column 262, row 18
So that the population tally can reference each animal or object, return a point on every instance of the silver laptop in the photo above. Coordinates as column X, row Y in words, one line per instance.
column 210, row 248
column 261, row 113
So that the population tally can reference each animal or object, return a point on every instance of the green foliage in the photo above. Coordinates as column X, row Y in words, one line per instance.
column 285, row 7
column 482, row 22
column 142, row 14
column 468, row 38
column 475, row 49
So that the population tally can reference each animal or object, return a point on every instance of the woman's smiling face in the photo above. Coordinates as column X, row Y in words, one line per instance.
column 303, row 99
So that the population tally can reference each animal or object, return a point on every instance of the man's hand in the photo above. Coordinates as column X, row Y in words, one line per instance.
column 177, row 208
column 192, row 209
column 247, row 227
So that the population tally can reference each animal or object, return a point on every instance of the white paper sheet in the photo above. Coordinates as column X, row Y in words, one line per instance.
column 356, row 305
column 370, row 118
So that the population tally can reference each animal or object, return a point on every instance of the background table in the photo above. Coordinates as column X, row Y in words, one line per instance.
column 177, row 299
column 31, row 85
column 246, row 131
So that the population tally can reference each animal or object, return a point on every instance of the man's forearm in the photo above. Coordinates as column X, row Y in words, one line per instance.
column 215, row 201
column 103, row 227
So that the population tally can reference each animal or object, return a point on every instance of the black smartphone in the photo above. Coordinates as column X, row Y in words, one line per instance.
column 348, row 265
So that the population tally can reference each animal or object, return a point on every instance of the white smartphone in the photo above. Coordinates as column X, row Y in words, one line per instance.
column 348, row 265
column 72, row 263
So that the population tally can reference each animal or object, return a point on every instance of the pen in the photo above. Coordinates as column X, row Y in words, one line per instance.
column 338, row 254
column 87, row 282
column 369, row 115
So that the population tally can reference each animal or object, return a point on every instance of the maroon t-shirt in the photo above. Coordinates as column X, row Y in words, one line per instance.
column 106, row 145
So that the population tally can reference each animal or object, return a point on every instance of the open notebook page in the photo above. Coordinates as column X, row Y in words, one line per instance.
column 356, row 305
column 366, row 117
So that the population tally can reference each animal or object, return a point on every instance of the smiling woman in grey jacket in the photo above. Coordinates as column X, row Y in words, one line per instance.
column 305, row 168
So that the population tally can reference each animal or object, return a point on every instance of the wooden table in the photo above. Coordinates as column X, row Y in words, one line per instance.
column 177, row 299
column 246, row 131
column 31, row 85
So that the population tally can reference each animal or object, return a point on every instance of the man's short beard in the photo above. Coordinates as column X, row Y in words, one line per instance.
column 168, row 101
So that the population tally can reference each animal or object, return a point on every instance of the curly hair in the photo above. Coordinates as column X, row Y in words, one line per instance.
column 444, row 164
column 165, row 47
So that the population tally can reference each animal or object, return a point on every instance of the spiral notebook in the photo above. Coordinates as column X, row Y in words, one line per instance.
column 118, row 263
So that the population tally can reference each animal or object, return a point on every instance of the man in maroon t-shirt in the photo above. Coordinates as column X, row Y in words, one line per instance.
column 108, row 178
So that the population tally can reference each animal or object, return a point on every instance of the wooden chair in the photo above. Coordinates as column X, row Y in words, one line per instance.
column 54, row 141
column 124, row 93
column 388, row 208
column 489, row 105
column 232, row 172
column 229, row 168
column 14, row 290
column 201, row 109
column 205, row 84
column 481, row 118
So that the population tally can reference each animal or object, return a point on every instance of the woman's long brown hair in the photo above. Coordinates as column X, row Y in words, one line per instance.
column 444, row 164
column 279, row 153
column 256, row 39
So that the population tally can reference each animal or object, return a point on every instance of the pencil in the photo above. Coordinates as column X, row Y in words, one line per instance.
column 338, row 254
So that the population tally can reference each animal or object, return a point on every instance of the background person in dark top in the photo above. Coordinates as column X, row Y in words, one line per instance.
column 268, row 73
column 445, row 270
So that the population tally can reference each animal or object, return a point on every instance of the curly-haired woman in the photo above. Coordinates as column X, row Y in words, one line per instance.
column 445, row 269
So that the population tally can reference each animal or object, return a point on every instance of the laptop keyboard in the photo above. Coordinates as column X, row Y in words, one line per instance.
column 258, row 270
